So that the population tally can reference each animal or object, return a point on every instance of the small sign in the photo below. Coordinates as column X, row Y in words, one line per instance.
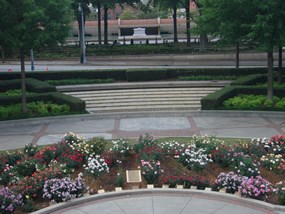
column 133, row 176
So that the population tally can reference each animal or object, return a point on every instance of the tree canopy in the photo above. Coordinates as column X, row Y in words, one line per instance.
column 262, row 22
column 33, row 23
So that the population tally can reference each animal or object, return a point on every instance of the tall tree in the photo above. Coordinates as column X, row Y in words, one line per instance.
column 171, row 4
column 186, row 5
column 229, row 20
column 203, row 35
column 260, row 21
column 30, row 24
column 268, row 29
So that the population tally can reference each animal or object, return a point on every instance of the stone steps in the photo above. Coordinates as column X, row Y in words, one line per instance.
column 144, row 100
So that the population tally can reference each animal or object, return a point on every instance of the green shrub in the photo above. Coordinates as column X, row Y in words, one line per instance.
column 35, row 109
column 216, row 99
column 254, row 102
column 98, row 145
column 25, row 168
column 32, row 85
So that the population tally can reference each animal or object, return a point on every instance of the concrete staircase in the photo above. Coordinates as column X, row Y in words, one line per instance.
column 173, row 99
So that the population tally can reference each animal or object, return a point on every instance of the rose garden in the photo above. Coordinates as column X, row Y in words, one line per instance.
column 34, row 177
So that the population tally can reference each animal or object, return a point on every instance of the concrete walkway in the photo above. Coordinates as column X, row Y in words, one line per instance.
column 163, row 201
column 43, row 131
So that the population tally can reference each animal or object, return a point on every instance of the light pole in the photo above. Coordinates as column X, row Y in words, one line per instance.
column 82, row 36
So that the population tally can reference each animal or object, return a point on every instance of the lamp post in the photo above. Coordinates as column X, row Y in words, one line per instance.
column 82, row 36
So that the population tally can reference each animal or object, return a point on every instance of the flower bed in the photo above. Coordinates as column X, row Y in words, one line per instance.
column 31, row 178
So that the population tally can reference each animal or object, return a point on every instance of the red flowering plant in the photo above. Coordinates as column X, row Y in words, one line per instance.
column 47, row 154
column 32, row 186
column 151, row 153
column 112, row 159
column 186, row 181
column 71, row 158
column 62, row 153
column 220, row 155
column 144, row 141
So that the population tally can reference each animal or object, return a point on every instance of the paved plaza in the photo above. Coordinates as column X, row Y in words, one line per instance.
column 44, row 131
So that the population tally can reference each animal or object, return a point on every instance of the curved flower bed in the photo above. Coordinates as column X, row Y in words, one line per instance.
column 31, row 177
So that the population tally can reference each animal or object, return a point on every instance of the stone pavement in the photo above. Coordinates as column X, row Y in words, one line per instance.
column 241, row 124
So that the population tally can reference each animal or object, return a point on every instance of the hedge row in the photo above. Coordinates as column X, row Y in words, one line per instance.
column 118, row 74
column 134, row 74
column 75, row 104
column 33, row 85
column 215, row 100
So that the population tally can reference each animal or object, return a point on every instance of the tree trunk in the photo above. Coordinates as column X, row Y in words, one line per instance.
column 99, row 24
column 105, row 25
column 280, row 65
column 188, row 33
column 2, row 54
column 270, row 75
column 237, row 55
column 23, row 82
column 203, row 42
column 175, row 23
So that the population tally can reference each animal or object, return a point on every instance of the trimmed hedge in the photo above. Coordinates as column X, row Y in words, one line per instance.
column 146, row 74
column 250, row 79
column 32, row 85
column 214, row 71
column 134, row 74
column 215, row 100
column 75, row 104
column 118, row 74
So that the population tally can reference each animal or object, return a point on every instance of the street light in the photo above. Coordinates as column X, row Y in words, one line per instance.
column 82, row 36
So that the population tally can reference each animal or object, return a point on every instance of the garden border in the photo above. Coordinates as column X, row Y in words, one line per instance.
column 226, row 197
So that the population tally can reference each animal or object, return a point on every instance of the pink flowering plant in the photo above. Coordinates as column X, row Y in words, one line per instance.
column 63, row 189
column 151, row 170
column 9, row 201
column 230, row 181
column 255, row 187
column 8, row 176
